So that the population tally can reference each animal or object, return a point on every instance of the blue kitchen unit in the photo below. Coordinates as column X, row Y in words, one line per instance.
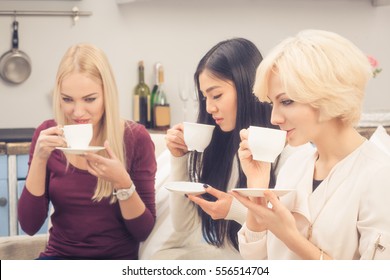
column 22, row 168
column 4, row 205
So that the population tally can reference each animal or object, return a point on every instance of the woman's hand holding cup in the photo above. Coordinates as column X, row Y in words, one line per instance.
column 48, row 140
column 257, row 172
column 175, row 140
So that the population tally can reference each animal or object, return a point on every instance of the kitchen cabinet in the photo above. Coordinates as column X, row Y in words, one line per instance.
column 4, row 198
column 13, row 171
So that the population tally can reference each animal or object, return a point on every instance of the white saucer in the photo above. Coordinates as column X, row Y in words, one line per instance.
column 259, row 192
column 185, row 187
column 90, row 149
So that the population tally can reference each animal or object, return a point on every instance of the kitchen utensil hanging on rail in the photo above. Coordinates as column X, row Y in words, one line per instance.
column 15, row 65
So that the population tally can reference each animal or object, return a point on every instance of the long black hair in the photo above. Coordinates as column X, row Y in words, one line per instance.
column 234, row 60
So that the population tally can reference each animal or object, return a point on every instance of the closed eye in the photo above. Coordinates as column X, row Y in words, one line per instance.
column 217, row 96
column 67, row 99
column 90, row 99
column 287, row 102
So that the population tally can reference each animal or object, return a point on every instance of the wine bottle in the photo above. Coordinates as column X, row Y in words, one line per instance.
column 162, row 111
column 142, row 99
column 154, row 93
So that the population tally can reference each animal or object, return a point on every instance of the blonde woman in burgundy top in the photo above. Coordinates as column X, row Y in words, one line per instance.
column 103, row 203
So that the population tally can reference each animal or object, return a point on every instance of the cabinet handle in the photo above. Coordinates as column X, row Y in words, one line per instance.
column 3, row 201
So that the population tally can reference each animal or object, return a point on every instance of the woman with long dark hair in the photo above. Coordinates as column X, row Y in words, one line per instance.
column 206, row 226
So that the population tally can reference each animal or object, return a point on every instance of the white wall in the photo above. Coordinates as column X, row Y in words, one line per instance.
column 177, row 33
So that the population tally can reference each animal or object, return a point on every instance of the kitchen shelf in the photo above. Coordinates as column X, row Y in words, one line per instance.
column 75, row 13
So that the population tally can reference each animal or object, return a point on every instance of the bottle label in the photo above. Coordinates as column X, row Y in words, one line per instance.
column 136, row 108
column 162, row 116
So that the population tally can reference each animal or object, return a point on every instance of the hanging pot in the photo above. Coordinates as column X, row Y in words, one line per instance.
column 15, row 65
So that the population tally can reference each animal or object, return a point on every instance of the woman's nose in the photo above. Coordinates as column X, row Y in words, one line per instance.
column 210, row 107
column 276, row 117
column 78, row 109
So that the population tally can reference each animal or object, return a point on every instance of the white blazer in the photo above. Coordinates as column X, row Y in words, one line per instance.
column 349, row 211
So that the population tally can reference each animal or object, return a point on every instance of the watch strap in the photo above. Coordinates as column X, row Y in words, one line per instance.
column 124, row 194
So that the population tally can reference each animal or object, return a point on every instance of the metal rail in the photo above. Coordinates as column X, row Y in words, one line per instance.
column 75, row 13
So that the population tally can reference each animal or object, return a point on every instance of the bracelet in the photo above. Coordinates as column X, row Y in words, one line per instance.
column 321, row 255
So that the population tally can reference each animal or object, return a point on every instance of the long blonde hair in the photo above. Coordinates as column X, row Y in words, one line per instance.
column 91, row 61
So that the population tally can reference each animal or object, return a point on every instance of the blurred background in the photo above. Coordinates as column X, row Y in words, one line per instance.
column 176, row 33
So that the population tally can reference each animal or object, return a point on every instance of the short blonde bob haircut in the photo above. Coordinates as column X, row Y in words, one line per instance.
column 318, row 68
column 91, row 61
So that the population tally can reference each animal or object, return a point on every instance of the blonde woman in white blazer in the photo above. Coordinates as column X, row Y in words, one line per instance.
column 340, row 206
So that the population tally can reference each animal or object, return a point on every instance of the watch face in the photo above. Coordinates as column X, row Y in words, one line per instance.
column 122, row 194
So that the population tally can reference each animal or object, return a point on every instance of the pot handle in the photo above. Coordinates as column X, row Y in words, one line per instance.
column 15, row 36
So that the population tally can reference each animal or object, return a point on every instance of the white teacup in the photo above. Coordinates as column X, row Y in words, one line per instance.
column 78, row 136
column 266, row 143
column 197, row 136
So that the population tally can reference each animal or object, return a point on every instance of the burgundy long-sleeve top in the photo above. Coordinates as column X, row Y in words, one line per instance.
column 81, row 227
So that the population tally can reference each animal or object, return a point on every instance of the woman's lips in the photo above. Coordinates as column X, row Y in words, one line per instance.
column 289, row 132
column 218, row 121
column 81, row 121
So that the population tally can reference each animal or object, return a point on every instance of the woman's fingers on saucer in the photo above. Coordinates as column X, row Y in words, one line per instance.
column 110, row 153
column 213, row 191
column 272, row 198
column 92, row 167
column 204, row 204
column 243, row 199
column 247, row 202
column 94, row 161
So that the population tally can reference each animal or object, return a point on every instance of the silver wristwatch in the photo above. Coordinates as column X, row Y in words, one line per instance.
column 124, row 194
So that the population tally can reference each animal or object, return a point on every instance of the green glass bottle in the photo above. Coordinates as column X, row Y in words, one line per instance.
column 141, row 99
column 154, row 92
column 161, row 108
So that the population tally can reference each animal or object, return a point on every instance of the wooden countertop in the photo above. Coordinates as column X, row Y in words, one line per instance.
column 3, row 148
column 19, row 148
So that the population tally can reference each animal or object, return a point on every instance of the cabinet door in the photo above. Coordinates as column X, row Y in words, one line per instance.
column 3, row 167
column 22, row 166
column 4, row 208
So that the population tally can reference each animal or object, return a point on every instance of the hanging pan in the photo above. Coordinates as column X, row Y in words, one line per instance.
column 15, row 65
